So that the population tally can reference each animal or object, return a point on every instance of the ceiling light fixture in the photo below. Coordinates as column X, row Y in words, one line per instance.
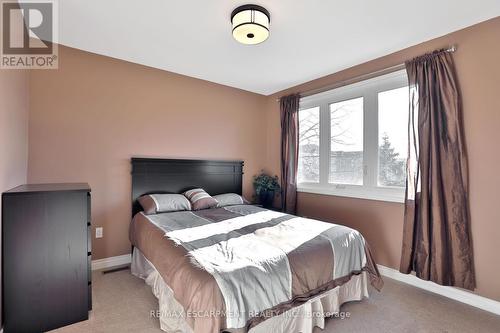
column 250, row 24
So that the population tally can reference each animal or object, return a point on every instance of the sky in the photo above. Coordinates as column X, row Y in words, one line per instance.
column 393, row 118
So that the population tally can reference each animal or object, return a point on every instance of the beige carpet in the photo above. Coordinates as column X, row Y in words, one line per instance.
column 122, row 303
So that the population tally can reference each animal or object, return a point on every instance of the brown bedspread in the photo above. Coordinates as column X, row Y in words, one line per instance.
column 311, row 265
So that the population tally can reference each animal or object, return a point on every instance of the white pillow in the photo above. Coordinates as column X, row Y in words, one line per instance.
column 229, row 199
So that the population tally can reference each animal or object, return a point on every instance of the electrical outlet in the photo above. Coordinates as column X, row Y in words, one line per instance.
column 98, row 232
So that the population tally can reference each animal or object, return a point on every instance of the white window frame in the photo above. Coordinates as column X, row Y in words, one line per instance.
column 368, row 89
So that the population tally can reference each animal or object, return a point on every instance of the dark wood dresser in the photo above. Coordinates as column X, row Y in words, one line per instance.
column 46, row 256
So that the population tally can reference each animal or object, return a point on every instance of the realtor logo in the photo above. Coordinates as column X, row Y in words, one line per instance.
column 29, row 28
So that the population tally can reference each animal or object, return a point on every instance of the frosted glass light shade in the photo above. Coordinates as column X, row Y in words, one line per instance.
column 250, row 24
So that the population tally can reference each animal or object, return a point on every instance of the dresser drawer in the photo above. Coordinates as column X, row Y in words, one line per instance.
column 89, row 268
column 89, row 207
column 90, row 296
column 89, row 238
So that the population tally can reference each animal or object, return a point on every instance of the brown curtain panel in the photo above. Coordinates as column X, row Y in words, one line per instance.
column 289, row 108
column 437, row 243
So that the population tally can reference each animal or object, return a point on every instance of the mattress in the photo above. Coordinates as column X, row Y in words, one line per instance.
column 302, row 318
column 236, row 268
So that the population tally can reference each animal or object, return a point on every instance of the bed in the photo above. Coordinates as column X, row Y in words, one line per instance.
column 240, row 268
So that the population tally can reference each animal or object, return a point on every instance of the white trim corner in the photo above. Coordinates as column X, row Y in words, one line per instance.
column 456, row 294
column 387, row 194
column 111, row 262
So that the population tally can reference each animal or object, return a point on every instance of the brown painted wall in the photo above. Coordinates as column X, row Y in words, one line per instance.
column 13, row 128
column 478, row 67
column 13, row 131
column 89, row 117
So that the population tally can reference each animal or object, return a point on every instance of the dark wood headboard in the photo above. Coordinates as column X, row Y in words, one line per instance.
column 155, row 175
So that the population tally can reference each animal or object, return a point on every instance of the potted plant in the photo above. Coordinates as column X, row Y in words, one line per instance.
column 265, row 189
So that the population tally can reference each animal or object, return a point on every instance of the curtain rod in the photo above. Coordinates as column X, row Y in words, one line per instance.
column 362, row 77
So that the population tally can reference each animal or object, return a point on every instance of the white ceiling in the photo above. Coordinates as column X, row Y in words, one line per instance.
column 309, row 38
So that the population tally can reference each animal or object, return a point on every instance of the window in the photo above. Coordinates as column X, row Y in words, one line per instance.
column 353, row 140
column 308, row 168
column 346, row 142
column 393, row 136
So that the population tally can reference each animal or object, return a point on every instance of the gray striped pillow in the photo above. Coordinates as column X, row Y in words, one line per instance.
column 163, row 203
column 200, row 199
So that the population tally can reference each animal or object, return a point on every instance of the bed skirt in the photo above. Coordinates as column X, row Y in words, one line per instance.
column 302, row 318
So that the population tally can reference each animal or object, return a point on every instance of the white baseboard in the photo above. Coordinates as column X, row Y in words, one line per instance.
column 111, row 262
column 456, row 294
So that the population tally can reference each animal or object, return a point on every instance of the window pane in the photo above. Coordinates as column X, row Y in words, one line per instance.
column 308, row 168
column 393, row 136
column 346, row 156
